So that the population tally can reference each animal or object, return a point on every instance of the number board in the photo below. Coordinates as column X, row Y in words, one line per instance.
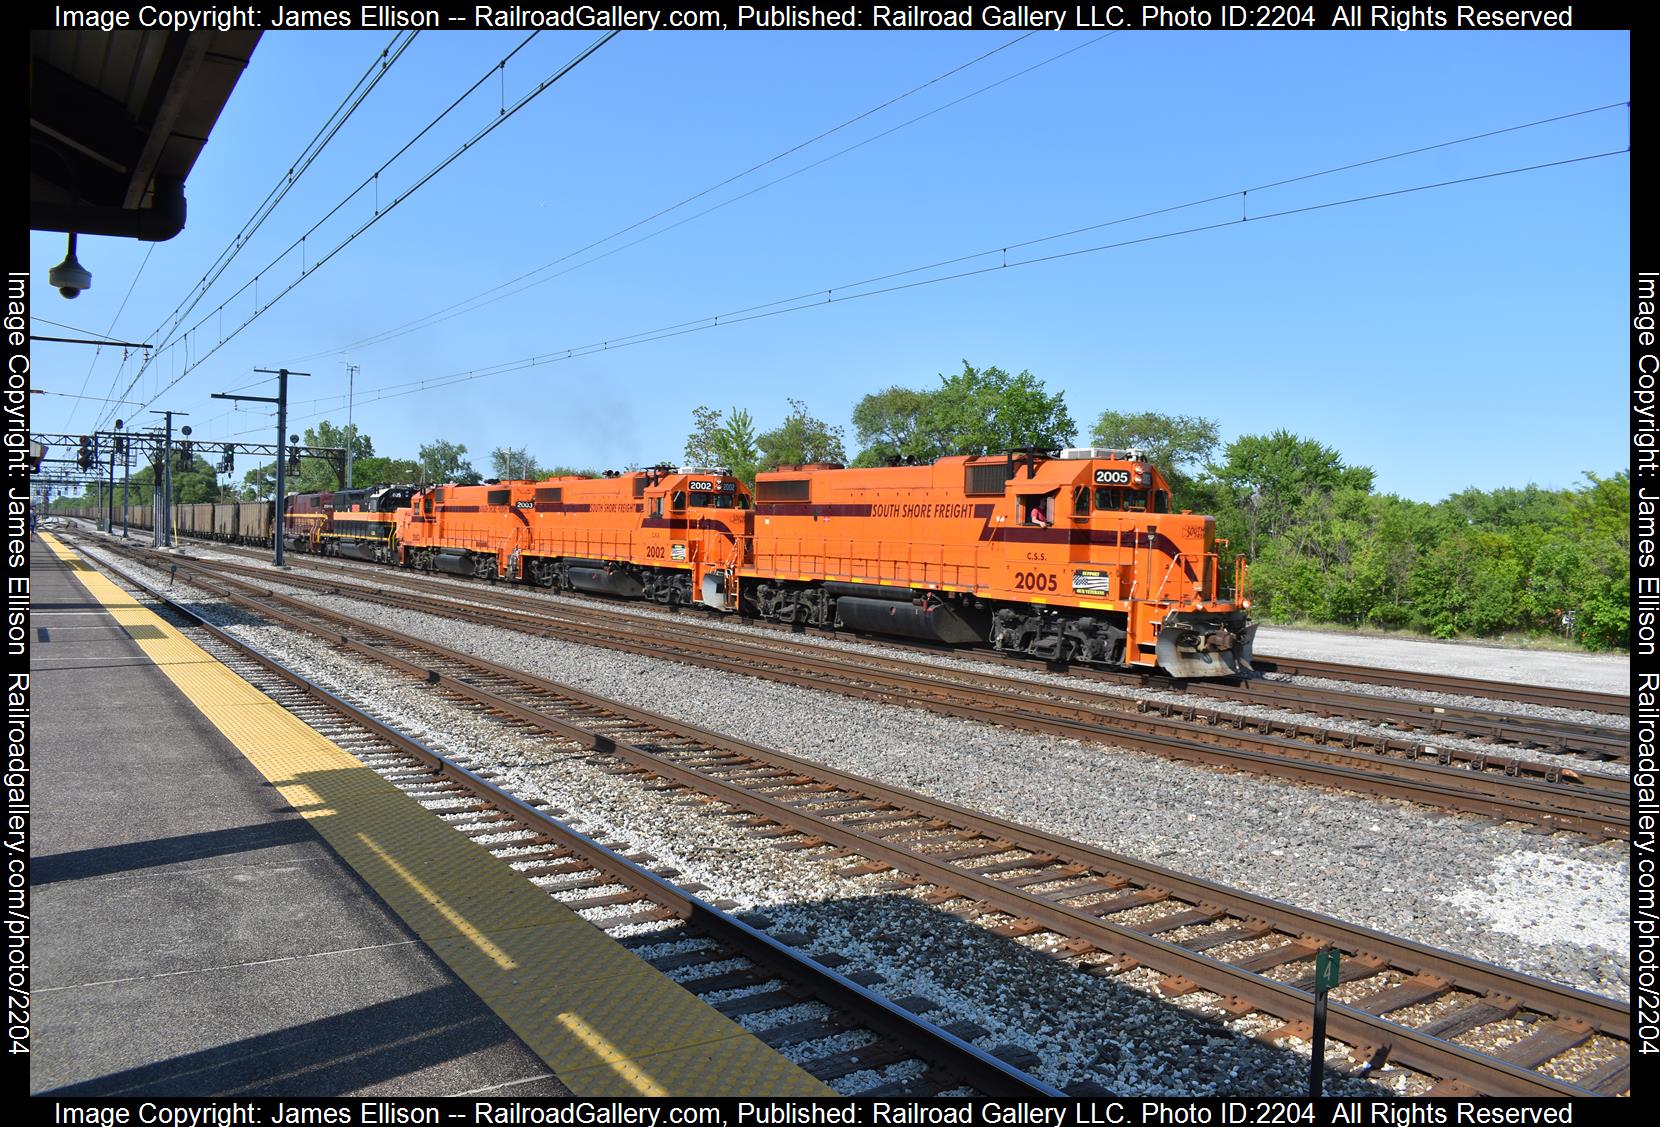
column 1326, row 965
column 1112, row 477
column 701, row 486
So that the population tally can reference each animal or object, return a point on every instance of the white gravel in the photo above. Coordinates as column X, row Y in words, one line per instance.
column 1603, row 673
column 1576, row 914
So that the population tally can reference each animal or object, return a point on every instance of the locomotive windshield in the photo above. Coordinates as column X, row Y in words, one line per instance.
column 718, row 501
column 1112, row 500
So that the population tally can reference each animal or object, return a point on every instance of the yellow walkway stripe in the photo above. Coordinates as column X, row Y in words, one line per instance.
column 604, row 1020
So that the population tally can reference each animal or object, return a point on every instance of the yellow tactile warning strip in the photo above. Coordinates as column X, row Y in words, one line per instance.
column 605, row 1021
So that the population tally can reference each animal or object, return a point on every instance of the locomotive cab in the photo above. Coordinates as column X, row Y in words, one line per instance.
column 1164, row 568
column 699, row 520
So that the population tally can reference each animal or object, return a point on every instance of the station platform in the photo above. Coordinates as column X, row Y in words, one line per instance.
column 227, row 903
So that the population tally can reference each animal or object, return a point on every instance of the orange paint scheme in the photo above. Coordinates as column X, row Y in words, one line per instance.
column 1060, row 557
column 656, row 534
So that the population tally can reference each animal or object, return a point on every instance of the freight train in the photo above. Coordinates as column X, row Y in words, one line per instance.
column 1068, row 556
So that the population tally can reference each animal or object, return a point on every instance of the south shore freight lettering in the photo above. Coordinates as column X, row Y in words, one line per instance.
column 916, row 511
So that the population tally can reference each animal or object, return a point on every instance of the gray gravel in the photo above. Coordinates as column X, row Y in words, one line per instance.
column 1117, row 1033
column 1388, row 865
column 461, row 589
column 1485, row 890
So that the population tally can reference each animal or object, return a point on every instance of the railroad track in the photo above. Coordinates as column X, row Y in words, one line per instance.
column 1584, row 700
column 588, row 875
column 1472, row 1027
column 1506, row 787
column 1394, row 716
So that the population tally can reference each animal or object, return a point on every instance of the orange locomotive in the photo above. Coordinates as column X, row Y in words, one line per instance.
column 672, row 536
column 1075, row 557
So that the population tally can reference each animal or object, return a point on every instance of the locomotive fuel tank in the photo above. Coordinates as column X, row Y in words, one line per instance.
column 603, row 582
column 935, row 622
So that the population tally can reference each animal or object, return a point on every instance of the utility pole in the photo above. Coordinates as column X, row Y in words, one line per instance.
column 351, row 435
column 126, row 477
column 118, row 443
column 281, row 400
column 109, row 525
column 164, row 510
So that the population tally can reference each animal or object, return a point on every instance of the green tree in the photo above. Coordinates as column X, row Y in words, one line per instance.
column 976, row 411
column 1267, row 478
column 378, row 470
column 888, row 426
column 192, row 483
column 260, row 483
column 799, row 440
column 317, row 474
column 701, row 443
column 726, row 441
column 443, row 461
column 1178, row 445
column 735, row 446
column 514, row 463
column 986, row 411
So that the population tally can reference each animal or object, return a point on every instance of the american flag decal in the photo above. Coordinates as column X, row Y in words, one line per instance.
column 1091, row 583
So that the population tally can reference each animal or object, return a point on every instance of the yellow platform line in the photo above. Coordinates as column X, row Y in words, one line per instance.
column 605, row 1021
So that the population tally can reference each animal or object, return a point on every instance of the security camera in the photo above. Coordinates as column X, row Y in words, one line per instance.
column 69, row 276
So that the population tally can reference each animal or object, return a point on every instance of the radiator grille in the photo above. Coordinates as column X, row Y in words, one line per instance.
column 986, row 479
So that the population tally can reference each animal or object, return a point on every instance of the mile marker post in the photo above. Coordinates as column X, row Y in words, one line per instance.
column 1325, row 977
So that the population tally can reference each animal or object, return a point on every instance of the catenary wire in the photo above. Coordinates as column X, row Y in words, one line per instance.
column 827, row 296
column 192, row 362
column 483, row 298
column 337, row 118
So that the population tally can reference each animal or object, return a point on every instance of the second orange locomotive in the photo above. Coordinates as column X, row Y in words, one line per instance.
column 1069, row 558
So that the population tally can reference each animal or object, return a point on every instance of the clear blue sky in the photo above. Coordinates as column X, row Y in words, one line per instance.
column 1467, row 336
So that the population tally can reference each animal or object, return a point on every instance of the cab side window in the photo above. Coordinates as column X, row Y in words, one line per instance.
column 1161, row 501
column 656, row 509
column 1034, row 509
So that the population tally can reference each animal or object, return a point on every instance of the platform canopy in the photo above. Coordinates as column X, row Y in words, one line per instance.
column 117, row 120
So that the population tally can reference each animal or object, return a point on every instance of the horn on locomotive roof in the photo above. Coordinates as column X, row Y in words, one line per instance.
column 1032, row 455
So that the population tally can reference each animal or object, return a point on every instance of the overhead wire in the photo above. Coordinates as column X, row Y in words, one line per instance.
column 108, row 334
column 331, row 126
column 507, row 113
column 475, row 303
column 821, row 296
column 337, row 118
